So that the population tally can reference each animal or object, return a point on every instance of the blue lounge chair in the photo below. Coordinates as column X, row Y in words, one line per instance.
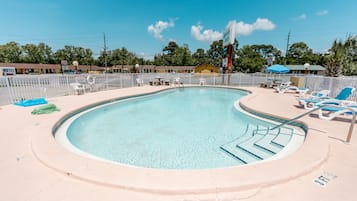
column 315, row 95
column 320, row 94
column 344, row 94
column 333, row 112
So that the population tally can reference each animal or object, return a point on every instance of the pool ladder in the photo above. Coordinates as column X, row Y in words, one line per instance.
column 350, row 130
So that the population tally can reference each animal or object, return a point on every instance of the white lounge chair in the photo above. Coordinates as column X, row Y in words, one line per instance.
column 333, row 112
column 320, row 94
column 295, row 89
column 341, row 98
column 315, row 95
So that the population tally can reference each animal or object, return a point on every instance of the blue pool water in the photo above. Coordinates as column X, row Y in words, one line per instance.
column 175, row 129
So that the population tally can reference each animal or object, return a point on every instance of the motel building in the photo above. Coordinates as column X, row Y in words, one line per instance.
column 204, row 69
column 26, row 68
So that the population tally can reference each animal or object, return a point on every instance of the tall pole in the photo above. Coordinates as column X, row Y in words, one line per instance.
column 287, row 47
column 105, row 52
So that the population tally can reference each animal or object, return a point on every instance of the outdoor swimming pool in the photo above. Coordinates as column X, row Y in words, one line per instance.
column 174, row 129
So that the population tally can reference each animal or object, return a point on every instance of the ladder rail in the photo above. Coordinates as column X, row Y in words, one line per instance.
column 353, row 120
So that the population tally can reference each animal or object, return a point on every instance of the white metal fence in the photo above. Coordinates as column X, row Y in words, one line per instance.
column 334, row 84
column 14, row 88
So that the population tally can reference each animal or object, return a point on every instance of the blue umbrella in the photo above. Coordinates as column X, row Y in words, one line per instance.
column 277, row 68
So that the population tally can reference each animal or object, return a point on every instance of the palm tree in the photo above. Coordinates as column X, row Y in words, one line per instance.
column 342, row 57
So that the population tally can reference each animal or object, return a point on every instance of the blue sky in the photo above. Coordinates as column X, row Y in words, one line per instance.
column 146, row 26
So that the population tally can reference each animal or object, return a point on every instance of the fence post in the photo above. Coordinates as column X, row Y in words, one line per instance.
column 132, row 79
column 120, row 80
column 67, row 83
column 240, row 79
column 214, row 79
column 106, row 81
column 39, row 85
column 330, row 85
column 9, row 90
column 189, row 78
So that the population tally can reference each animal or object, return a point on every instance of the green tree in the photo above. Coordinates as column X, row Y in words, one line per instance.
column 215, row 53
column 10, row 52
column 174, row 55
column 40, row 53
column 350, row 56
column 249, row 60
column 30, row 54
column 72, row 53
column 268, row 52
column 300, row 53
column 87, row 58
column 159, row 60
column 183, row 56
column 122, row 57
column 342, row 57
column 200, row 57
column 170, row 54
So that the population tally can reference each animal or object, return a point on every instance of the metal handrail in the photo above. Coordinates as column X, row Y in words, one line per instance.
column 353, row 120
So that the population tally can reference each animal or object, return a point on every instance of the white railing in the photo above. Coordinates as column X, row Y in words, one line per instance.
column 14, row 88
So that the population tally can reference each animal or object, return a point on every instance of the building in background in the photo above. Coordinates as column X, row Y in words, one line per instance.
column 301, row 69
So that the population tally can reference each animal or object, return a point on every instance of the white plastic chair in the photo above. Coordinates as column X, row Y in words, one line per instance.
column 177, row 81
column 78, row 88
column 202, row 81
column 139, row 81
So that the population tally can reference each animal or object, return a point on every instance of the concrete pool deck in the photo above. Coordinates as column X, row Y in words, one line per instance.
column 35, row 167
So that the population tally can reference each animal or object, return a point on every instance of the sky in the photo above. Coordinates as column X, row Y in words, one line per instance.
column 145, row 27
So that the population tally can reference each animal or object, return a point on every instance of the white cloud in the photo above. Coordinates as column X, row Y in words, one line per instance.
column 159, row 27
column 208, row 35
column 242, row 28
column 300, row 17
column 322, row 12
column 239, row 28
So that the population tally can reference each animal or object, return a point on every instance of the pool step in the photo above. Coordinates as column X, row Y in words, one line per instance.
column 258, row 143
column 249, row 147
column 231, row 147
column 265, row 143
column 248, row 133
column 282, row 139
column 239, row 154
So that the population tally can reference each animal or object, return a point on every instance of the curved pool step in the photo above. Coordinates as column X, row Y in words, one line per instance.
column 249, row 147
column 231, row 147
column 265, row 143
column 282, row 139
column 258, row 143
column 239, row 154
column 248, row 133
